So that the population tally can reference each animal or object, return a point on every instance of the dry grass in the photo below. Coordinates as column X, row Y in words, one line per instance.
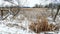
column 41, row 25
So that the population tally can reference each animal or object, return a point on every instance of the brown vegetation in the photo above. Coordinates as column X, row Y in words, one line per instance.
column 41, row 25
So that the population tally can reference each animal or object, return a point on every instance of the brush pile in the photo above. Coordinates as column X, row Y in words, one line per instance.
column 42, row 25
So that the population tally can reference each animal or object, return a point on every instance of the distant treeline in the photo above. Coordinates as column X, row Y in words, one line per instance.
column 51, row 5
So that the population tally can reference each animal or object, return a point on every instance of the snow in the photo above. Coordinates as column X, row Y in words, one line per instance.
column 20, row 24
column 17, row 29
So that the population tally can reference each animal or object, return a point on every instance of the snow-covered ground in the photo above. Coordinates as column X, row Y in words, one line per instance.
column 20, row 24
column 14, row 26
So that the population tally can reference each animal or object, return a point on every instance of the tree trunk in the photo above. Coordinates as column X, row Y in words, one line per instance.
column 52, row 12
column 1, row 14
column 56, row 14
column 17, row 11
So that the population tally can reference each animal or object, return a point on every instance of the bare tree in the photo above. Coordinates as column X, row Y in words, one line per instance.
column 52, row 8
column 56, row 13
column 15, row 6
column 1, row 14
column 18, row 8
column 10, row 1
column 10, row 12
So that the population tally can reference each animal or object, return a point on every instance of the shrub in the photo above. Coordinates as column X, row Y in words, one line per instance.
column 41, row 25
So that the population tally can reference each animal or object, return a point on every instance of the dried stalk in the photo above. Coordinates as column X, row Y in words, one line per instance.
column 41, row 25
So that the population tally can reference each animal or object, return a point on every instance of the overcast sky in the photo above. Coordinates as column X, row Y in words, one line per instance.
column 29, row 3
column 33, row 2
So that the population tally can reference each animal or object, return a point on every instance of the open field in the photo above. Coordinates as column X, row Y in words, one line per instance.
column 26, row 9
column 20, row 23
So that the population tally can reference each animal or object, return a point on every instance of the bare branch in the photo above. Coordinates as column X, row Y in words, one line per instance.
column 10, row 1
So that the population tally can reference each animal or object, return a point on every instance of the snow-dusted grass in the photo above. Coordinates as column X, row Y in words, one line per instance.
column 20, row 24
